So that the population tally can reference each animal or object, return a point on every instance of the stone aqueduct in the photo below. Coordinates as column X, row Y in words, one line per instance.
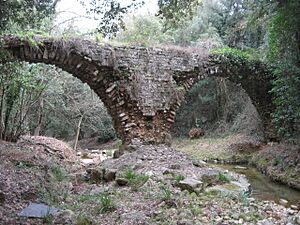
column 141, row 87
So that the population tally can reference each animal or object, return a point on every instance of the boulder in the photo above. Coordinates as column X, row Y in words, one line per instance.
column 121, row 181
column 196, row 133
column 199, row 163
column 96, row 174
column 109, row 175
column 190, row 184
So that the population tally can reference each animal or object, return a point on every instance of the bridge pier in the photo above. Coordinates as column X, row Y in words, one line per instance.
column 141, row 87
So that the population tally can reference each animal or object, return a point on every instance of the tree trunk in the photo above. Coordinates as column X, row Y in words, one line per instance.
column 2, row 114
column 78, row 132
column 38, row 128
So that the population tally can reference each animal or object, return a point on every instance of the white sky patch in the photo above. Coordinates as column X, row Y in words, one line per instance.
column 71, row 12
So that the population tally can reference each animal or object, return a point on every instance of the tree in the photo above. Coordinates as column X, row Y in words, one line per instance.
column 28, row 14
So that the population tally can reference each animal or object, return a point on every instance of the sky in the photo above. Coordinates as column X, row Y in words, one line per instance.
column 69, row 9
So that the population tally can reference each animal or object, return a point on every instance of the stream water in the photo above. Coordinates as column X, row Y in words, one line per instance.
column 263, row 188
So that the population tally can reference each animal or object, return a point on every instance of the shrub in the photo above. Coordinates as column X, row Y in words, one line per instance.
column 223, row 178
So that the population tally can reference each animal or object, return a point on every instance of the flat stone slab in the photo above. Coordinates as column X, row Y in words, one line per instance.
column 190, row 184
column 35, row 210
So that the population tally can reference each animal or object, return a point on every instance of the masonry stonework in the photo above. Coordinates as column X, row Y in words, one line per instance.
column 141, row 87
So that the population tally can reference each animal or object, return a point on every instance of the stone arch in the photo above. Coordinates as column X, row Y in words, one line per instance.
column 141, row 87
column 254, row 79
column 76, row 58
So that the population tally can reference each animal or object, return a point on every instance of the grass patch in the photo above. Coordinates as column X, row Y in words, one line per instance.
column 23, row 165
column 135, row 181
column 103, row 200
column 48, row 219
column 83, row 220
column 166, row 193
column 59, row 174
column 179, row 178
column 223, row 178
column 106, row 203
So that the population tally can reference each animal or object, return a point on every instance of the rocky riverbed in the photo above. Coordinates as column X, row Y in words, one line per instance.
column 149, row 185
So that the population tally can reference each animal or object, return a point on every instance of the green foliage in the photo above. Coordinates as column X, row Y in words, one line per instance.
column 134, row 180
column 166, row 193
column 27, row 14
column 147, row 31
column 284, row 55
column 111, row 14
column 236, row 54
column 179, row 178
column 48, row 219
column 65, row 99
column 223, row 178
column 59, row 173
column 23, row 165
column 106, row 203
column 174, row 12
column 53, row 195
column 83, row 220
column 20, row 87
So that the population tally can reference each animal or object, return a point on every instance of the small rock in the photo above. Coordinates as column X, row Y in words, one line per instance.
column 283, row 202
column 294, row 207
column 109, row 175
column 190, row 184
column 291, row 212
column 96, row 174
column 80, row 177
column 96, row 151
column 149, row 173
column 184, row 222
column 121, row 181
column 65, row 217
column 2, row 198
column 117, row 153
column 98, row 190
column 136, row 217
column 240, row 168
column 199, row 163
column 265, row 222
column 87, row 162
column 174, row 166
column 297, row 219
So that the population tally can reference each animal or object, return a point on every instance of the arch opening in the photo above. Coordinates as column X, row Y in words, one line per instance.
column 217, row 107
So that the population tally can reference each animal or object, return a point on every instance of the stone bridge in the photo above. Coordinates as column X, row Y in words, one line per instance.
column 141, row 87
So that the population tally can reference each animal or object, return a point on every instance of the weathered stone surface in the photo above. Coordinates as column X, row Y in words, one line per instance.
column 65, row 217
column 190, row 184
column 141, row 87
column 109, row 175
column 35, row 210
column 283, row 202
column 199, row 163
column 96, row 174
column 121, row 181
column 297, row 218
